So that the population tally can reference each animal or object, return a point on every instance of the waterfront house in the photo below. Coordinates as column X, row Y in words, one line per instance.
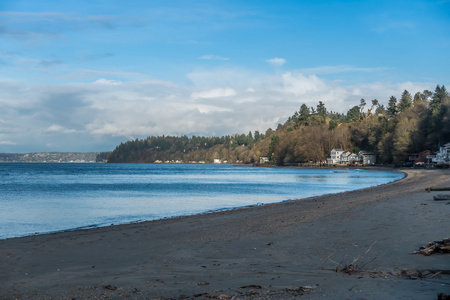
column 263, row 159
column 341, row 157
column 367, row 158
column 420, row 157
column 344, row 157
column 353, row 159
column 443, row 156
column 335, row 156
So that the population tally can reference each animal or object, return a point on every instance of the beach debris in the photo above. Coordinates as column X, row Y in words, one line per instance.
column 353, row 266
column 413, row 275
column 435, row 247
column 434, row 189
column 110, row 287
column 200, row 295
column 442, row 296
column 441, row 197
column 220, row 297
column 289, row 292
column 208, row 296
column 265, row 294
column 251, row 286
column 202, row 283
column 421, row 274
column 299, row 291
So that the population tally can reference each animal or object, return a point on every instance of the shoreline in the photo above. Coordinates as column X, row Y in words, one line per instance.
column 102, row 225
column 258, row 252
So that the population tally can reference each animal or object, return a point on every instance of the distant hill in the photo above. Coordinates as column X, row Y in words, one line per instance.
column 54, row 157
column 406, row 126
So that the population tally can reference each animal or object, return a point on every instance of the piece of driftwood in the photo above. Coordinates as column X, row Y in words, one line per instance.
column 441, row 197
column 442, row 296
column 435, row 247
column 353, row 266
column 437, row 189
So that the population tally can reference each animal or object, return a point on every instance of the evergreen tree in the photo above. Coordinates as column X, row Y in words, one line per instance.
column 440, row 93
column 439, row 119
column 321, row 113
column 304, row 114
column 405, row 101
column 353, row 114
column 392, row 106
column 273, row 143
column 321, row 110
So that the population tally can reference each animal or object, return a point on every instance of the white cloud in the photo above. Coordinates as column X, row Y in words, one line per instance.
column 214, row 93
column 207, row 109
column 59, row 128
column 276, row 61
column 219, row 77
column 299, row 84
column 107, row 82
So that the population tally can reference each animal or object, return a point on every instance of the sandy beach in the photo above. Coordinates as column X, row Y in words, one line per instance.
column 296, row 249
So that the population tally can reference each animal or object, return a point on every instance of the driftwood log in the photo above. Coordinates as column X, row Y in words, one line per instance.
column 442, row 296
column 442, row 197
column 435, row 247
column 436, row 189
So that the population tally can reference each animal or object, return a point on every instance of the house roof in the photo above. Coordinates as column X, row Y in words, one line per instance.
column 366, row 153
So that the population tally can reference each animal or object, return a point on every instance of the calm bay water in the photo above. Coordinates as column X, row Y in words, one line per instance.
column 43, row 198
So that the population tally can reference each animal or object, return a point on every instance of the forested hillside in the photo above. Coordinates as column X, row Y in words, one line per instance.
column 406, row 125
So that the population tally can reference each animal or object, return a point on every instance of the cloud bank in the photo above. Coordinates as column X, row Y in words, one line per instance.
column 98, row 115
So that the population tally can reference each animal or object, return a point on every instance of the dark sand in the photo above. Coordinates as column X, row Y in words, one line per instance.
column 276, row 251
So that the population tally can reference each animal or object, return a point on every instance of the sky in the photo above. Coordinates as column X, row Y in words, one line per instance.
column 86, row 75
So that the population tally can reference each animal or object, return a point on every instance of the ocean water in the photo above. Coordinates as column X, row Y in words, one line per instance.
column 44, row 198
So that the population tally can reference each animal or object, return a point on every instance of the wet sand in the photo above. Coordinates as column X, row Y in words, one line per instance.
column 276, row 251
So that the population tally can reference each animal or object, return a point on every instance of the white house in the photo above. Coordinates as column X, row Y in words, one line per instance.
column 352, row 158
column 443, row 156
column 344, row 157
column 341, row 157
column 335, row 156
column 263, row 159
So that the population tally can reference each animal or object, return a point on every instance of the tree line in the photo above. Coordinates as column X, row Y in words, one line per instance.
column 410, row 124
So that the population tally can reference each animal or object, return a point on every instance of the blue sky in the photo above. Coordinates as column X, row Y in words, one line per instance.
column 87, row 75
